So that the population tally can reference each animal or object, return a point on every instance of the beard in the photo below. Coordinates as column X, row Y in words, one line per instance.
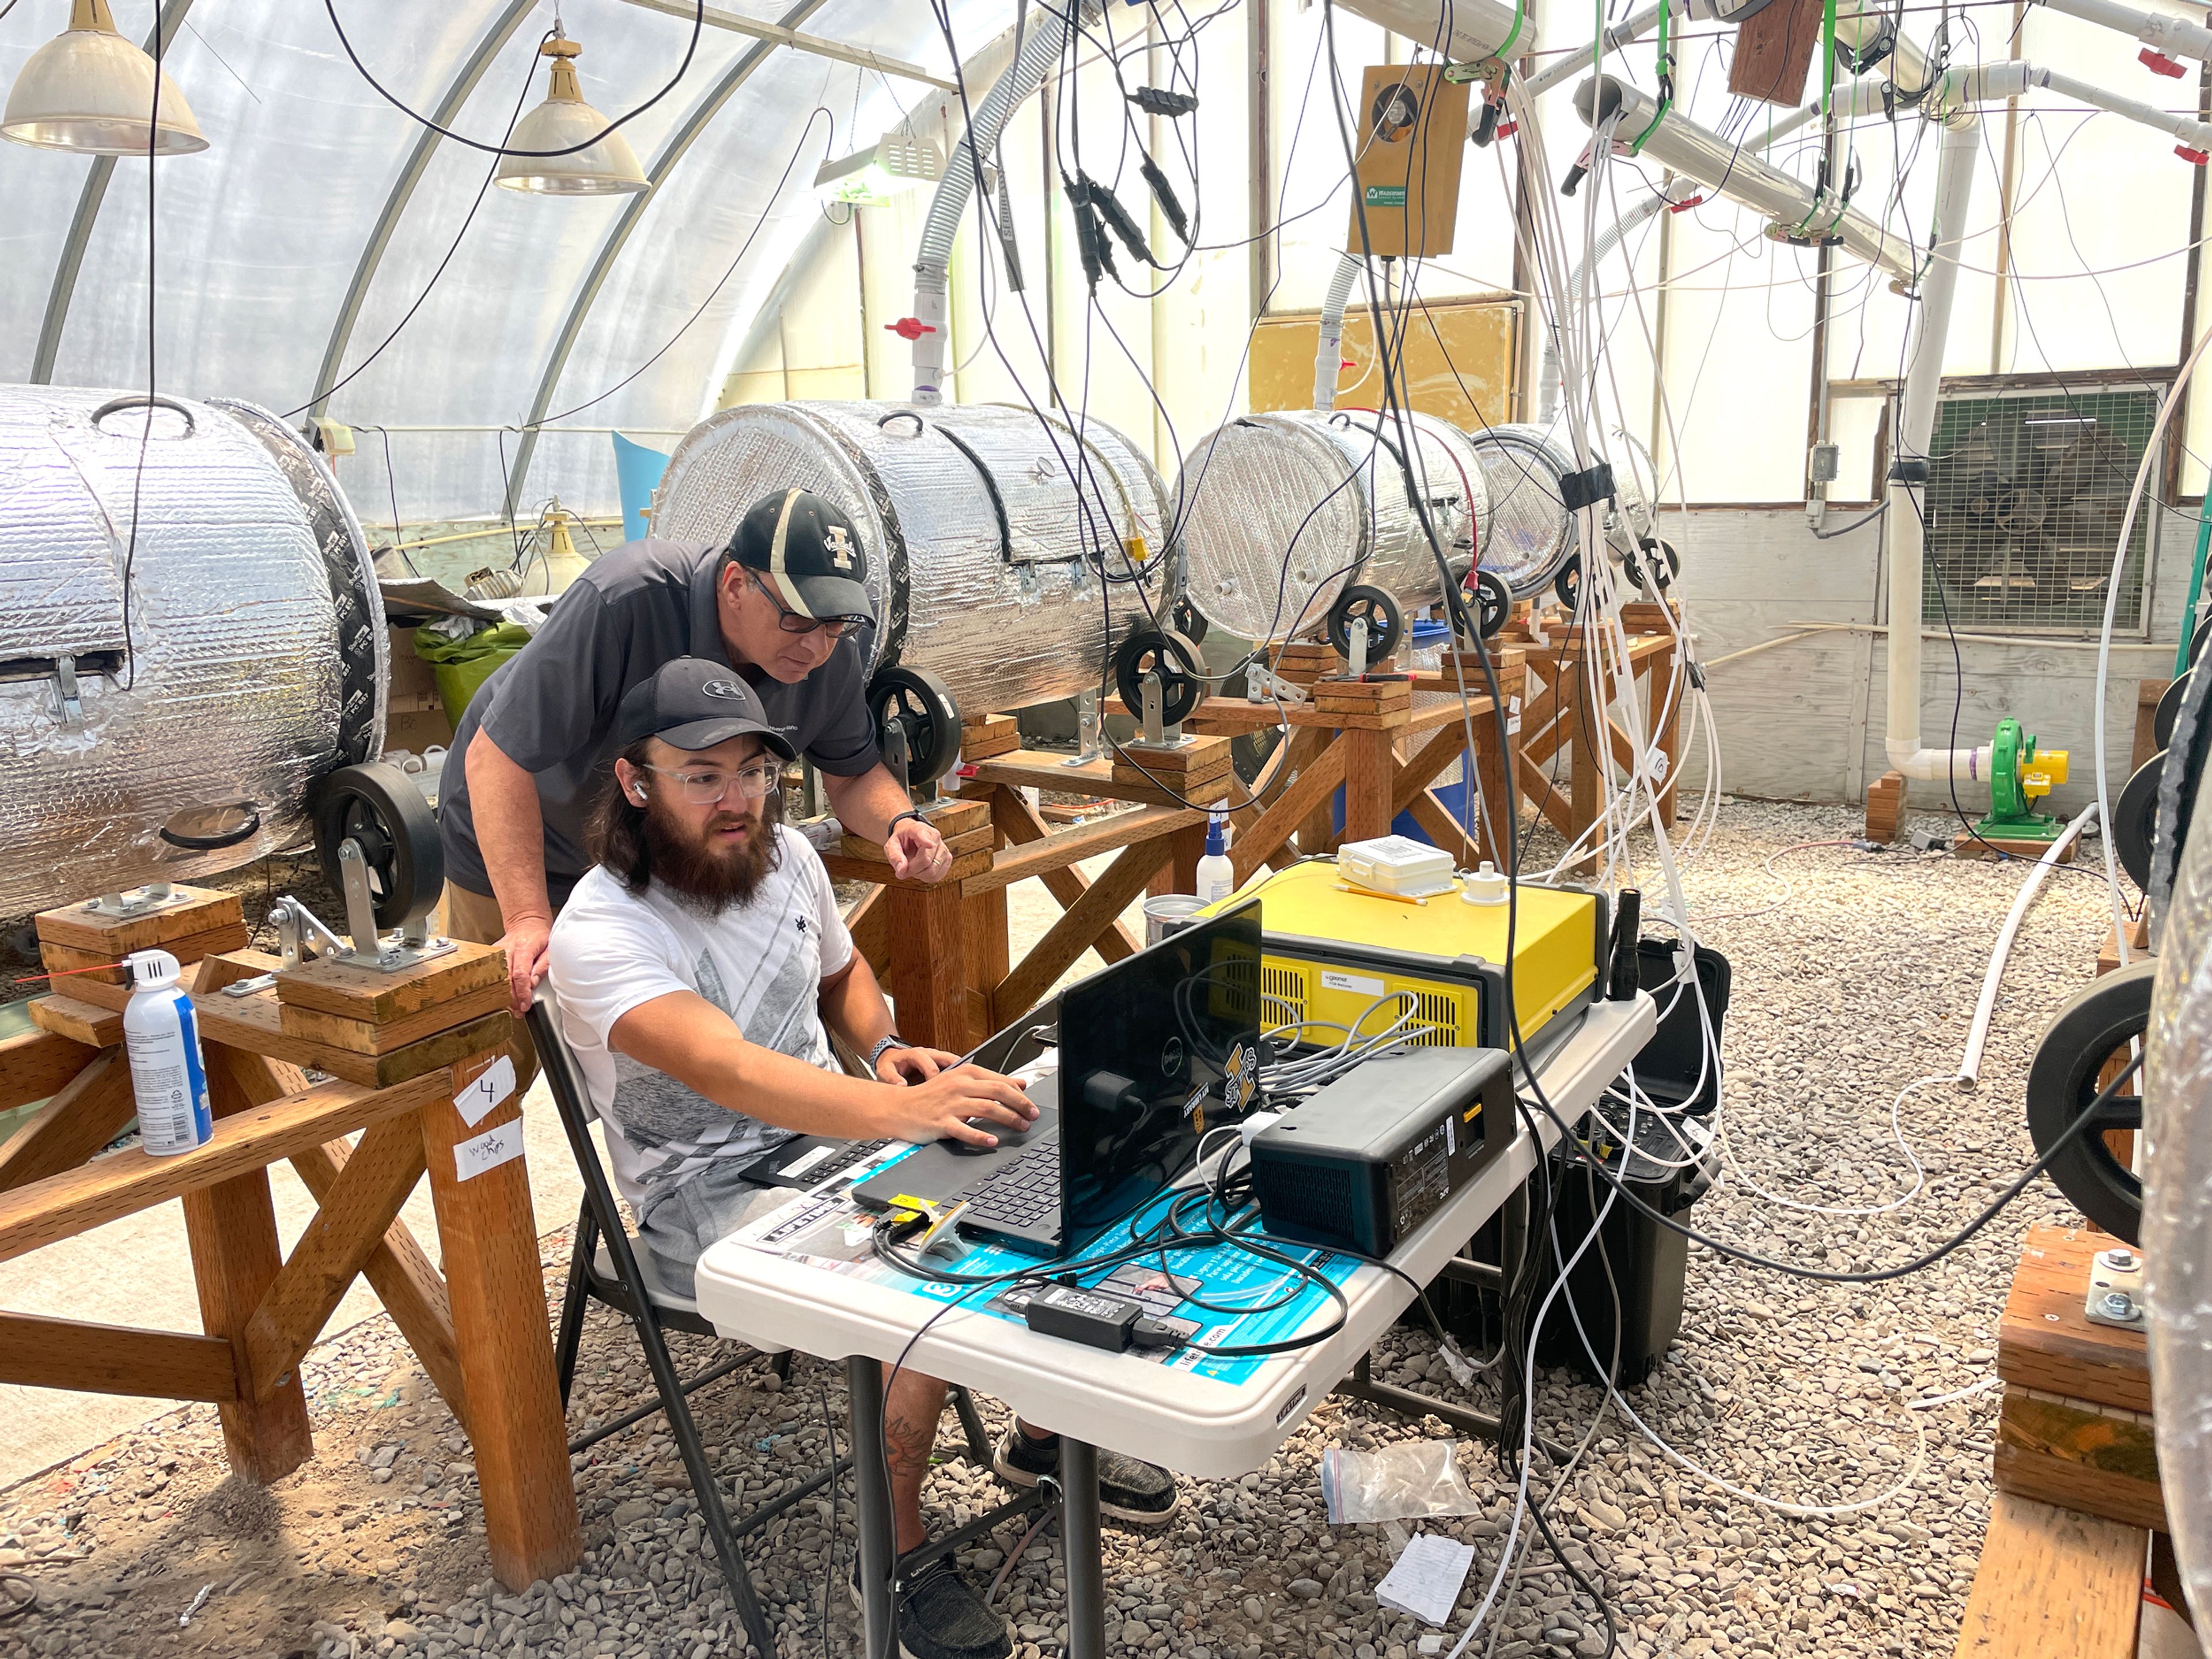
column 705, row 876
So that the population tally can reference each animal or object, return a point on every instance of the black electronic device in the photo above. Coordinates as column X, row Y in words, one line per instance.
column 1148, row 1048
column 806, row 1162
column 1370, row 1158
column 1674, row 1067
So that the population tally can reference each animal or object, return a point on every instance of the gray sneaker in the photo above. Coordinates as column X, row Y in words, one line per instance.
column 939, row 1615
column 1142, row 1494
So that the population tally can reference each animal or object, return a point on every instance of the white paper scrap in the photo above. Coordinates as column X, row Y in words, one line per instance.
column 476, row 1101
column 488, row 1150
column 1427, row 1580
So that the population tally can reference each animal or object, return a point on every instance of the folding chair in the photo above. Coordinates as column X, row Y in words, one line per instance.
column 606, row 1265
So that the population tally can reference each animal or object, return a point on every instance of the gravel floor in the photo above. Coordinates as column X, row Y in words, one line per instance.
column 1856, row 974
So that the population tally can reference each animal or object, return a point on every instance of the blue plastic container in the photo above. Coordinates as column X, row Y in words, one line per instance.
column 637, row 470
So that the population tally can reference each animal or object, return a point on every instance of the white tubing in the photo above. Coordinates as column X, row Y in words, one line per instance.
column 1328, row 355
column 934, row 255
column 1476, row 28
column 1970, row 1066
column 1621, row 34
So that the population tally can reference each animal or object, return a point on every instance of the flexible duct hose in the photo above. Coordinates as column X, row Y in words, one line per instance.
column 934, row 255
column 1328, row 356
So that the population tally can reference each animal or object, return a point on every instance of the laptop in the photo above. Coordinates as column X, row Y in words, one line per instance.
column 1153, row 1051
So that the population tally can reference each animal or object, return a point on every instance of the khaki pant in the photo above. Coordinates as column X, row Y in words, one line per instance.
column 475, row 917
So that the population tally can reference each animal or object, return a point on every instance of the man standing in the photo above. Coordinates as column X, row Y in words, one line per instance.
column 698, row 972
column 779, row 605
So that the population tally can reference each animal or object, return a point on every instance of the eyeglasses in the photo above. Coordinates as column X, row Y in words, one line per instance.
column 707, row 788
column 792, row 622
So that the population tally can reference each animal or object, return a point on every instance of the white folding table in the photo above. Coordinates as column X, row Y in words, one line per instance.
column 1196, row 1425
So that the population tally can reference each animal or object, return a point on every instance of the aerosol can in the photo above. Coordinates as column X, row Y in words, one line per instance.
column 1217, row 876
column 168, row 1073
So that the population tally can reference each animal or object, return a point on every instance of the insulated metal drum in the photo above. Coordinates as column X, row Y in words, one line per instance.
column 190, row 639
column 1281, row 512
column 987, row 528
column 1531, row 533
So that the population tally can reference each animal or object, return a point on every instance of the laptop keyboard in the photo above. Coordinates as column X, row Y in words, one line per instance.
column 1021, row 1191
column 851, row 1156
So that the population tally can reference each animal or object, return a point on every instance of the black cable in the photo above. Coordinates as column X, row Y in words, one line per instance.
column 468, row 219
column 698, row 24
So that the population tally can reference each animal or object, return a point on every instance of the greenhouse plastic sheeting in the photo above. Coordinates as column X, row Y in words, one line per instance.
column 258, row 238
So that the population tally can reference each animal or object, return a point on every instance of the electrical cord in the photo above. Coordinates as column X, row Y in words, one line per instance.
column 698, row 25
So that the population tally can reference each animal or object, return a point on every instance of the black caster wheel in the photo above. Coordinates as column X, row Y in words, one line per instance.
column 2092, row 1030
column 914, row 703
column 1174, row 659
column 1386, row 622
column 1568, row 584
column 380, row 809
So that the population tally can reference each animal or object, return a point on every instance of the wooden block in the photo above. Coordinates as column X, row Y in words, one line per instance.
column 1130, row 774
column 1981, row 846
column 2046, row 1342
column 1774, row 47
column 361, row 1037
column 2085, row 1456
column 255, row 1024
column 1195, row 756
column 68, row 1353
column 1363, row 693
column 81, row 928
column 995, row 734
column 964, row 866
column 2108, row 953
column 871, row 852
column 1885, row 809
column 68, row 959
column 80, row 1021
column 2147, row 693
column 337, row 986
column 1648, row 617
column 2053, row 1584
column 489, row 1236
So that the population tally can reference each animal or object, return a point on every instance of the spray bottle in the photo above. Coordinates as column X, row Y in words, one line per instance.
column 168, row 1073
column 1217, row 876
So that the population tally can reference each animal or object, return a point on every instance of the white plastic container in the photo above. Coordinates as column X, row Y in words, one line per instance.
column 1397, row 864
column 1217, row 876
column 168, row 1073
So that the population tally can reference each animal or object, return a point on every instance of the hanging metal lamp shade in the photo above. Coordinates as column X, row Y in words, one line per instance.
column 606, row 167
column 91, row 91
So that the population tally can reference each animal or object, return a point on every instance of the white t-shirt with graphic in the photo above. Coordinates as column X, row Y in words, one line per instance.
column 761, row 962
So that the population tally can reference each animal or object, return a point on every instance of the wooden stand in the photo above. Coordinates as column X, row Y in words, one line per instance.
column 942, row 950
column 2076, row 1426
column 1885, row 808
column 1561, row 715
column 414, row 1065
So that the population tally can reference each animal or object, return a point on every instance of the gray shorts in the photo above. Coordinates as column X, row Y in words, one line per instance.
column 703, row 1209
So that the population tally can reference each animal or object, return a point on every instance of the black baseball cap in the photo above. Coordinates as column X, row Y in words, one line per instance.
column 693, row 704
column 808, row 552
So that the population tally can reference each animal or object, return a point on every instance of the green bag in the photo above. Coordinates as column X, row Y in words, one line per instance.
column 461, row 666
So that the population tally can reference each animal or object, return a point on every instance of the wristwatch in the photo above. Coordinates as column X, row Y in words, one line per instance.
column 883, row 1045
column 910, row 813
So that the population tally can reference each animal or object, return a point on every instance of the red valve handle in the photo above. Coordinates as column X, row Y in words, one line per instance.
column 2159, row 64
column 2196, row 158
column 910, row 328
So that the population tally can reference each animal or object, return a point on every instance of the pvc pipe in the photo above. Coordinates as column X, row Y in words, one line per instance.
column 1474, row 28
column 1970, row 1068
column 1729, row 169
column 1939, row 285
column 933, row 257
column 2176, row 36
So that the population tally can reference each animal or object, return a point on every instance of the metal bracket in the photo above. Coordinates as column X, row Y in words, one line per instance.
column 65, row 691
column 1087, row 730
column 1263, row 685
column 298, row 928
column 2116, row 1289
column 1356, row 666
column 137, row 901
column 1155, row 734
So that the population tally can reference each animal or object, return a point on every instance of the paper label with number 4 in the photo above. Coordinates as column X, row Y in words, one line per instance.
column 477, row 1099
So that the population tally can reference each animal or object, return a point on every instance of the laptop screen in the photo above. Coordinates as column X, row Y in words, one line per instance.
column 1154, row 1051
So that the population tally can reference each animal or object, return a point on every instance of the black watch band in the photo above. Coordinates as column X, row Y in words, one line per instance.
column 911, row 813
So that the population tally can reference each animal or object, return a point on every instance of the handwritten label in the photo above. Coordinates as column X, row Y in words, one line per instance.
column 476, row 1100
column 489, row 1149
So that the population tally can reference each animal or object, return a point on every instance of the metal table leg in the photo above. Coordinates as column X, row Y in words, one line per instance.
column 1080, row 1543
column 864, row 1388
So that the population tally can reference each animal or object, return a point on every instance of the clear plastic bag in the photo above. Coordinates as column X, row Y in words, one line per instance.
column 1405, row 1482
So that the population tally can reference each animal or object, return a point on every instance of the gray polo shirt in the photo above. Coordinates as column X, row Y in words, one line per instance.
column 551, row 708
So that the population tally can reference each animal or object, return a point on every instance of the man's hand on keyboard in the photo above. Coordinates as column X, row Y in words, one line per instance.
column 912, row 1065
column 940, row 1109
